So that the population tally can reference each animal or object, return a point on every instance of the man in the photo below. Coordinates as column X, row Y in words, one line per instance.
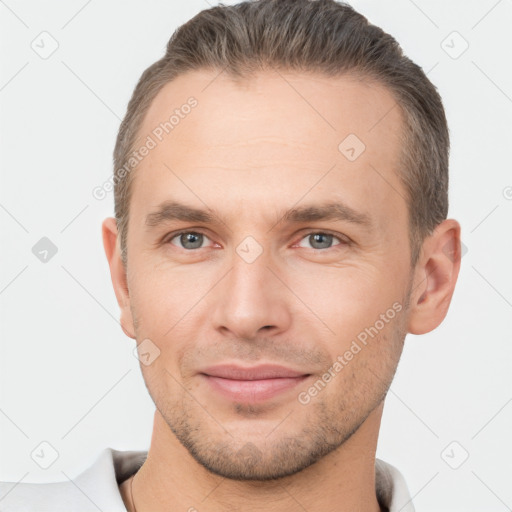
column 280, row 225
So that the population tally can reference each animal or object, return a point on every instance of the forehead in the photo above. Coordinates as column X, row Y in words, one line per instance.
column 292, row 107
column 274, row 133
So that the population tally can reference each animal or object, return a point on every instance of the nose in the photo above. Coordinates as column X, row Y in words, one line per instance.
column 251, row 301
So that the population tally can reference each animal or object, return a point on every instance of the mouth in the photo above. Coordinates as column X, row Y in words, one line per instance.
column 252, row 384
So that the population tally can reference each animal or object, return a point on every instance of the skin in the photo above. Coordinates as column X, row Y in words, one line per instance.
column 250, row 151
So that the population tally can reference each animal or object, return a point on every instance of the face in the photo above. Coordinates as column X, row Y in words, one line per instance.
column 275, row 314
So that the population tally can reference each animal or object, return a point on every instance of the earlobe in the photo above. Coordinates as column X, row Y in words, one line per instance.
column 435, row 278
column 117, row 273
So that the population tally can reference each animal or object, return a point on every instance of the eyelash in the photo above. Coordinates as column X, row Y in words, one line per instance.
column 343, row 240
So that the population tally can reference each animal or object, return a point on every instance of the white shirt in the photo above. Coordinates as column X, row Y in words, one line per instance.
column 97, row 488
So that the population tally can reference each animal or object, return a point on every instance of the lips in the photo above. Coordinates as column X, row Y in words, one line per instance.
column 267, row 371
column 252, row 384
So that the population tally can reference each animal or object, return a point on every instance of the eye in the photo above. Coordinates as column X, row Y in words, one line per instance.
column 320, row 240
column 188, row 240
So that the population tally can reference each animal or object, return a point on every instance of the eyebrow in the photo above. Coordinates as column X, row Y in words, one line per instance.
column 173, row 210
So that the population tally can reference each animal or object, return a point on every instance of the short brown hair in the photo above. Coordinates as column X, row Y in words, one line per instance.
column 322, row 36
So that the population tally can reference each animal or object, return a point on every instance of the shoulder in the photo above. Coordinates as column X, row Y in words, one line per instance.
column 96, row 488
column 55, row 496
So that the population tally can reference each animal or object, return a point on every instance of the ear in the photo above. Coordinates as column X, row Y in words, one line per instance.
column 435, row 276
column 118, row 273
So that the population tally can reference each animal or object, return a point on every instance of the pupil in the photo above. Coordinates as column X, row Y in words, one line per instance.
column 318, row 238
column 191, row 238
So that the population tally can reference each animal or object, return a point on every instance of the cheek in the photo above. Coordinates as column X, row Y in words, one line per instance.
column 345, row 297
column 166, row 300
column 165, row 292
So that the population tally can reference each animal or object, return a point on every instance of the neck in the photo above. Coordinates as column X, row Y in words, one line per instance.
column 343, row 480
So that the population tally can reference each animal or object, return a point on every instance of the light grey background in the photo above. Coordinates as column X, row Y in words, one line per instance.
column 68, row 375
